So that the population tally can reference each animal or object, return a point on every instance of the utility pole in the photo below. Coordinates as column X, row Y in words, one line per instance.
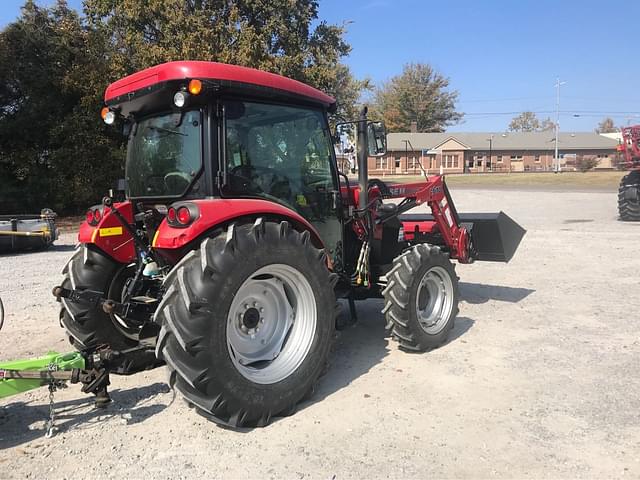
column 489, row 163
column 556, row 159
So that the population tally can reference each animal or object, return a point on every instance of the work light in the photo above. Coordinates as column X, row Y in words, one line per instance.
column 180, row 99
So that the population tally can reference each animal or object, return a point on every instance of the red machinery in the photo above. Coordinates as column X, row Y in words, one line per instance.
column 629, row 191
column 239, row 233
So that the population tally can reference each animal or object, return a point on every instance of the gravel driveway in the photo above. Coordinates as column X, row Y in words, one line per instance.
column 541, row 376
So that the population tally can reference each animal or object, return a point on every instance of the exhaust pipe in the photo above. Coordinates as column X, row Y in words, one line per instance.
column 363, row 150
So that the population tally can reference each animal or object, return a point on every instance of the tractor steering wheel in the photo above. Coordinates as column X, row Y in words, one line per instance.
column 250, row 173
column 172, row 179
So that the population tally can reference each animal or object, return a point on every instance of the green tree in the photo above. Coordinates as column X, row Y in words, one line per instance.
column 419, row 94
column 606, row 126
column 279, row 36
column 52, row 149
column 525, row 122
column 56, row 64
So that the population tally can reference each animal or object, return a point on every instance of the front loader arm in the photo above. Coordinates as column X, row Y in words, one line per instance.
column 435, row 193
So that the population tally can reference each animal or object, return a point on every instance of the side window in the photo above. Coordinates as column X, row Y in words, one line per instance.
column 280, row 153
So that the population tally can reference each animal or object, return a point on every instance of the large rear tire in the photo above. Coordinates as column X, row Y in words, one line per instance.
column 629, row 197
column 90, row 327
column 246, row 323
column 421, row 298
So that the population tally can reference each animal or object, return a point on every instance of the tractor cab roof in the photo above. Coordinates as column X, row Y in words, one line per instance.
column 218, row 76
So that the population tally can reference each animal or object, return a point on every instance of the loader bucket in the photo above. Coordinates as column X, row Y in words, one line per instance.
column 495, row 236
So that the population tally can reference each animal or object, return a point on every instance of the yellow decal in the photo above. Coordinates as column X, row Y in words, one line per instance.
column 93, row 235
column 155, row 238
column 110, row 232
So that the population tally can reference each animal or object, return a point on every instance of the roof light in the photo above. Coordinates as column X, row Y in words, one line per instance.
column 195, row 86
column 108, row 116
column 180, row 99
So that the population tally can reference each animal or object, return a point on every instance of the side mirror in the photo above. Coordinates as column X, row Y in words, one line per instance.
column 377, row 136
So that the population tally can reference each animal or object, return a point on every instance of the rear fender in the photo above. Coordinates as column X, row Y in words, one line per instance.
column 215, row 213
column 109, row 235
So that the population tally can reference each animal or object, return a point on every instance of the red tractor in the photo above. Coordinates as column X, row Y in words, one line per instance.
column 629, row 191
column 239, row 233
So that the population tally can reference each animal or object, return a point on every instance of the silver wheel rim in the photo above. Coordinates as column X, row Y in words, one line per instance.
column 271, row 324
column 434, row 300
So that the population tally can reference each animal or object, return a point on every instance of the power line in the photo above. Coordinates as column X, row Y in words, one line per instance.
column 562, row 112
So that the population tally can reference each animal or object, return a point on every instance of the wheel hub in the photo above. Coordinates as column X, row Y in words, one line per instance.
column 250, row 319
column 434, row 300
column 271, row 323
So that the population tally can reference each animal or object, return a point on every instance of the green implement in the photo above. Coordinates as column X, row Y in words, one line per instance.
column 23, row 375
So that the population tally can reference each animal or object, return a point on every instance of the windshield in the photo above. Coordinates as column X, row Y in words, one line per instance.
column 164, row 155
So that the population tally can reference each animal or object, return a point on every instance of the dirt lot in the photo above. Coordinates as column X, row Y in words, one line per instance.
column 540, row 378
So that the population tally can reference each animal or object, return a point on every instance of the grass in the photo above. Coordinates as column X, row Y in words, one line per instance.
column 572, row 180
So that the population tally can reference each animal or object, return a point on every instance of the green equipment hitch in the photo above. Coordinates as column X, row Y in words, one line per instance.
column 23, row 375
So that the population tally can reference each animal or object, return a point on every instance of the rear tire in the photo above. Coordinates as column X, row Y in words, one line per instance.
column 218, row 357
column 421, row 298
column 87, row 327
column 628, row 209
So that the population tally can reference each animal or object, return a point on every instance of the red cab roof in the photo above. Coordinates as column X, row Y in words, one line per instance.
column 213, row 71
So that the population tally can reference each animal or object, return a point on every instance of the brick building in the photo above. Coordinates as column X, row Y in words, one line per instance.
column 461, row 152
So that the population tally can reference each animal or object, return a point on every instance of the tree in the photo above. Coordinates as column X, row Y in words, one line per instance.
column 547, row 125
column 53, row 150
column 525, row 122
column 55, row 65
column 606, row 126
column 419, row 94
column 279, row 36
column 584, row 163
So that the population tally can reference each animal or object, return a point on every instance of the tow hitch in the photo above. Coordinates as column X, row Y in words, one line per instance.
column 89, row 368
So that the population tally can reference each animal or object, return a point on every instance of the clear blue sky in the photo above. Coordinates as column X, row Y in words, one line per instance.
column 501, row 56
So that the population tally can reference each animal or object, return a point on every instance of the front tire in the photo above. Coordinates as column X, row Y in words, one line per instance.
column 421, row 298
column 246, row 323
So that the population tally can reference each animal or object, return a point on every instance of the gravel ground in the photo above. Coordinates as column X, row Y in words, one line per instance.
column 539, row 379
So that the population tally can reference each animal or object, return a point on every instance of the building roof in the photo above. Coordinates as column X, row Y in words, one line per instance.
column 213, row 71
column 501, row 141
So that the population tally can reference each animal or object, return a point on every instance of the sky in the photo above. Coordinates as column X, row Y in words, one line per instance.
column 501, row 56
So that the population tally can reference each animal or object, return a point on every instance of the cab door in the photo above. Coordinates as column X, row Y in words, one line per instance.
column 284, row 153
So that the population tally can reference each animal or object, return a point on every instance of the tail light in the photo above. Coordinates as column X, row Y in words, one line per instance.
column 182, row 215
column 94, row 215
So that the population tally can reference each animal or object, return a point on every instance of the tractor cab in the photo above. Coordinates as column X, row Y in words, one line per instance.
column 203, row 129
